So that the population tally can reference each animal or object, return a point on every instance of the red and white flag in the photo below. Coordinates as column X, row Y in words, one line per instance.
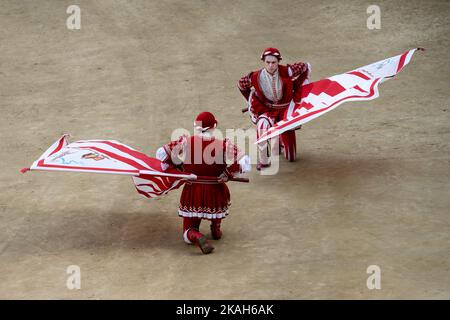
column 111, row 157
column 322, row 96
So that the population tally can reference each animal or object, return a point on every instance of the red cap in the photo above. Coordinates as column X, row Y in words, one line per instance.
column 271, row 52
column 205, row 120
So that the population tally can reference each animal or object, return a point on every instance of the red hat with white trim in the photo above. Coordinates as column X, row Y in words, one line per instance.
column 271, row 52
column 204, row 121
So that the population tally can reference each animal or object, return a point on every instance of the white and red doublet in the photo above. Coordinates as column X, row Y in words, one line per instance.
column 203, row 155
column 270, row 95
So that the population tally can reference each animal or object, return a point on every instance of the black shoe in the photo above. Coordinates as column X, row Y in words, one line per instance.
column 204, row 245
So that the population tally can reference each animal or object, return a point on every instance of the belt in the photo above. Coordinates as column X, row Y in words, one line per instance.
column 278, row 106
column 272, row 105
column 200, row 181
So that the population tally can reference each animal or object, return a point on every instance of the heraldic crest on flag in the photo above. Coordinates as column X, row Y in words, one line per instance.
column 319, row 97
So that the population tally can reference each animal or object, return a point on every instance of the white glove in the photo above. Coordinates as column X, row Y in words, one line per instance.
column 245, row 164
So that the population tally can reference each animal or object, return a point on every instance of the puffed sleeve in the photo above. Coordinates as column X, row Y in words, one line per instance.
column 171, row 153
column 297, row 69
column 245, row 84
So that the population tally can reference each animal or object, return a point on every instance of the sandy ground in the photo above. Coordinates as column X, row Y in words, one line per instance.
column 371, row 186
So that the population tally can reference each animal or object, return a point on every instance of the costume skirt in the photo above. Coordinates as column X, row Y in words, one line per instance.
column 206, row 201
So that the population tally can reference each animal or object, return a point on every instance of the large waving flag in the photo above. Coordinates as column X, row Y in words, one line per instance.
column 322, row 96
column 111, row 157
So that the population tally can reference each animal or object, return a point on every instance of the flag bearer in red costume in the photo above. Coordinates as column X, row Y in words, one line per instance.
column 269, row 92
column 204, row 155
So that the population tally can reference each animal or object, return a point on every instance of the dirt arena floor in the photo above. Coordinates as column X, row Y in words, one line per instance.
column 370, row 187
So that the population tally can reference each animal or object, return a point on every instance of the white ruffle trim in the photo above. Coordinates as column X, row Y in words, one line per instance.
column 204, row 215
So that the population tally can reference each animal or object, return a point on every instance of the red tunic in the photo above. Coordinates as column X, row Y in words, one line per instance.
column 204, row 157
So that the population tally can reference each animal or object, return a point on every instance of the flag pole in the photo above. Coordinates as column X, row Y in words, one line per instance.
column 163, row 174
column 189, row 176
